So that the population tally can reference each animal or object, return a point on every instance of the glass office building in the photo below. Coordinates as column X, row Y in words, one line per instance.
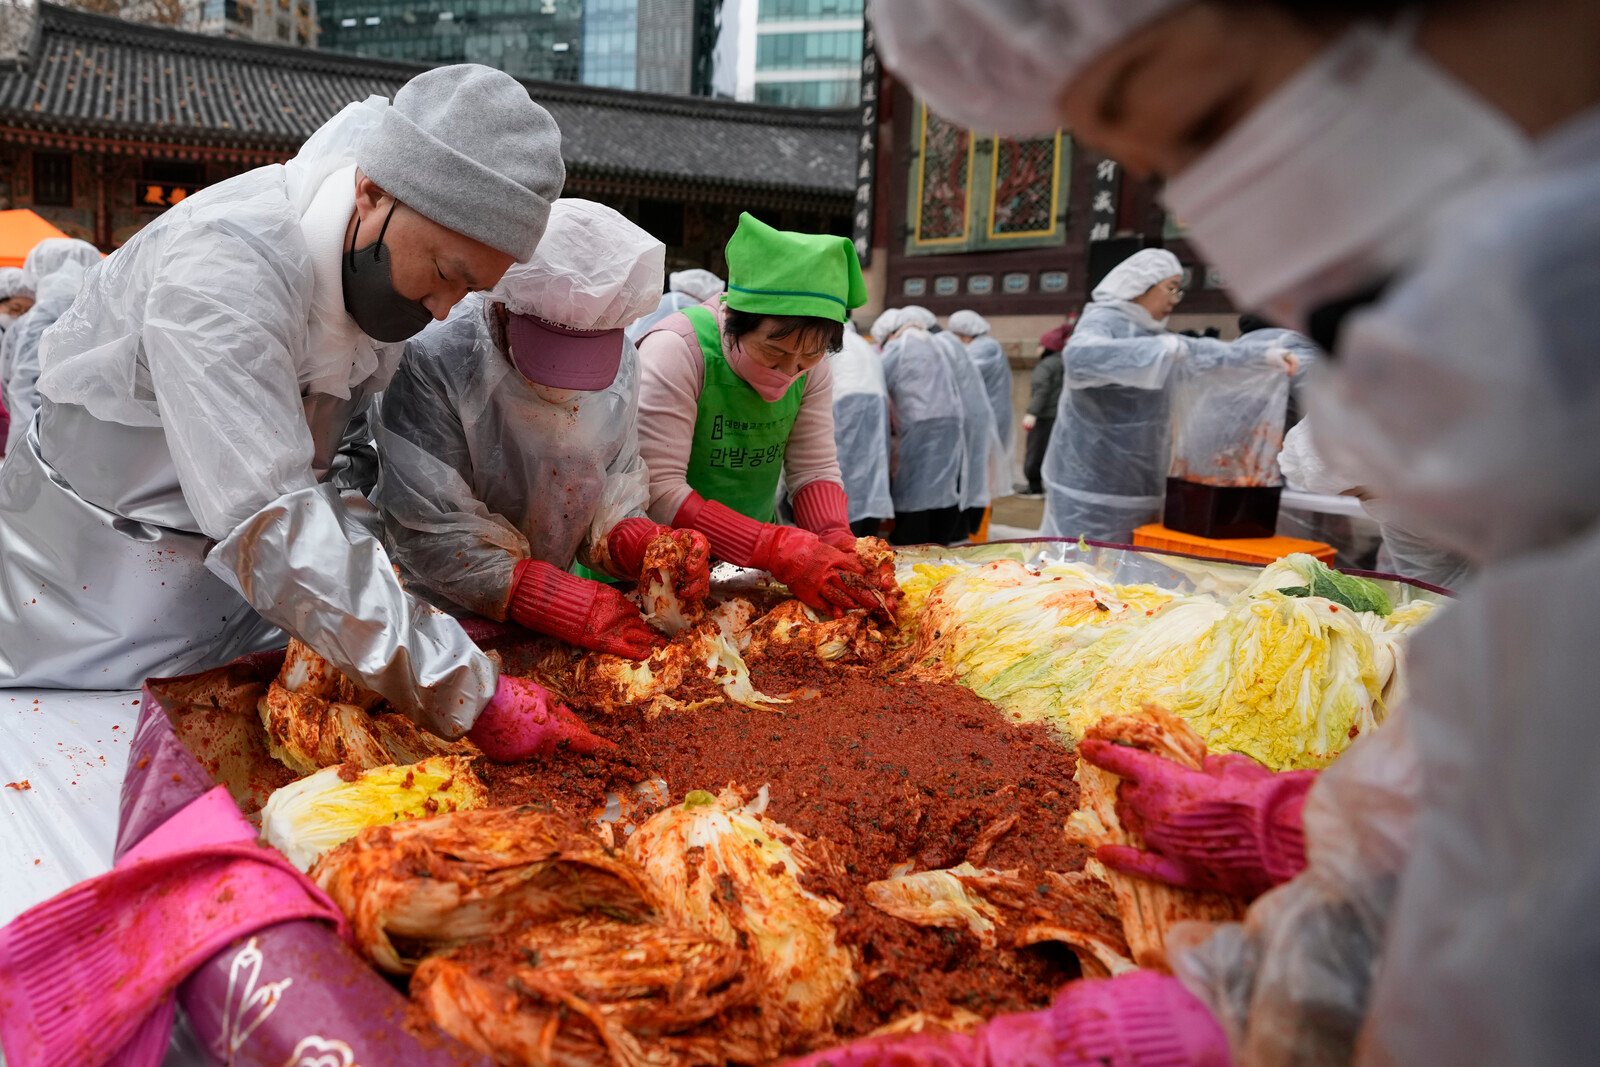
column 538, row 39
column 611, row 43
column 649, row 45
column 807, row 52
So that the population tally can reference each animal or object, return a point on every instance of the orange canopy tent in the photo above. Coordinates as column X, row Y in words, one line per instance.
column 20, row 230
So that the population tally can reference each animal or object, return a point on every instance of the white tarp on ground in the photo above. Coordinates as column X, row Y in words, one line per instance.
column 71, row 749
column 62, row 754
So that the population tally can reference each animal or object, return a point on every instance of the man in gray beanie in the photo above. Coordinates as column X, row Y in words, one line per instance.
column 176, row 502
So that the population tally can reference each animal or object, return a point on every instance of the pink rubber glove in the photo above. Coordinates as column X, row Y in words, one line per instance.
column 89, row 975
column 631, row 538
column 1138, row 1020
column 1232, row 826
column 579, row 611
column 523, row 719
column 824, row 509
column 819, row 575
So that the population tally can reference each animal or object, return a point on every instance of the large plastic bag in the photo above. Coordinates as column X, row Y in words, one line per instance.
column 925, row 404
column 1228, row 416
column 479, row 471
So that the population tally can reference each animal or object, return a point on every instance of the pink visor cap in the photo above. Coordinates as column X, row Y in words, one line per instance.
column 560, row 357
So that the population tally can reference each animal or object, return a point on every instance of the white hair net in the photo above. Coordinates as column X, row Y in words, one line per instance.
column 53, row 253
column 594, row 270
column 884, row 326
column 1001, row 65
column 698, row 283
column 969, row 324
column 12, row 283
column 916, row 315
column 1136, row 274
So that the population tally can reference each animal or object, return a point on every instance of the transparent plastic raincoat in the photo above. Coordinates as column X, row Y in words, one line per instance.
column 481, row 470
column 168, row 511
column 990, row 359
column 1106, row 470
column 1447, row 912
column 981, row 450
column 927, row 413
column 861, row 427
column 53, row 295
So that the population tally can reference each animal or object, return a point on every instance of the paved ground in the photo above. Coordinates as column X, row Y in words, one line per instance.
column 1025, row 512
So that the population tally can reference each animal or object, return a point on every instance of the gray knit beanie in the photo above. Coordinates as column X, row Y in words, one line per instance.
column 467, row 147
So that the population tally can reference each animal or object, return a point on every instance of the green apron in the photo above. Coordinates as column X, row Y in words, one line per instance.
column 739, row 438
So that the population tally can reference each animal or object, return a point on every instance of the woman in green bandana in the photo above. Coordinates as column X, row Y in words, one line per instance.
column 736, row 394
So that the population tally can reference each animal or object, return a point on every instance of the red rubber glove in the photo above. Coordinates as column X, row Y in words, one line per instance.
column 523, row 719
column 1232, row 826
column 1142, row 1019
column 630, row 540
column 580, row 612
column 819, row 575
column 824, row 509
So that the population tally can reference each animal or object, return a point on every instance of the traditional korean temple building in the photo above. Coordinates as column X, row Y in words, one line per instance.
column 106, row 123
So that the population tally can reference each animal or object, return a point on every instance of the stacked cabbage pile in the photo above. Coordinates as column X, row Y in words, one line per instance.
column 1287, row 672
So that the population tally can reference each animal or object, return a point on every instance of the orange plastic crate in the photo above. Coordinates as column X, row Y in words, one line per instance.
column 1243, row 550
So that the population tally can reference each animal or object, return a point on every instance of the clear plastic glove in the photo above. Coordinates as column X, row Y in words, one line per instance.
column 1232, row 826
column 581, row 612
column 523, row 719
column 1138, row 1020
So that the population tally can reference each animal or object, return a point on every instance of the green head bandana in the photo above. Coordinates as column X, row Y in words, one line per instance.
column 776, row 272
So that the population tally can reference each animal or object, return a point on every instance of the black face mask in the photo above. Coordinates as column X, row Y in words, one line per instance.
column 383, row 314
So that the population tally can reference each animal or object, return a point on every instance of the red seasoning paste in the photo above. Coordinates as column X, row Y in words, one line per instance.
column 876, row 772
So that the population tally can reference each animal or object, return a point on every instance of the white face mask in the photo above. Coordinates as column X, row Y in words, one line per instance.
column 1332, row 184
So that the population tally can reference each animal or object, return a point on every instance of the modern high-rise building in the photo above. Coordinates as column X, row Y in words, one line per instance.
column 537, row 39
column 803, row 53
column 660, row 46
column 273, row 21
column 655, row 46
